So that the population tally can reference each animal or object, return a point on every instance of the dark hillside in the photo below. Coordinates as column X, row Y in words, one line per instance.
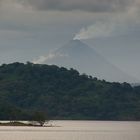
column 63, row 94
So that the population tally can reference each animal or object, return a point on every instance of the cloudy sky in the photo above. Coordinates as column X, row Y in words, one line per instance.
column 31, row 28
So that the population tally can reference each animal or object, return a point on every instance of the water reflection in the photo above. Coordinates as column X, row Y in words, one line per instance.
column 75, row 130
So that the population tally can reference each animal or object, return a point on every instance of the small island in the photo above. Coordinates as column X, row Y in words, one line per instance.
column 37, row 119
column 15, row 123
column 22, row 123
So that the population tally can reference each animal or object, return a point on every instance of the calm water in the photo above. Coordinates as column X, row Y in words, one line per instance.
column 75, row 130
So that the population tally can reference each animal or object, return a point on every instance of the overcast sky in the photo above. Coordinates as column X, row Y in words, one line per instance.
column 31, row 28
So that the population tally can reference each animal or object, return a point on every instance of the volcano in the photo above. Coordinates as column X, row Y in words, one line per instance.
column 78, row 55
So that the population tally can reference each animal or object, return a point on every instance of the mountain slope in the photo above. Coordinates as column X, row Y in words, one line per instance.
column 63, row 94
column 76, row 54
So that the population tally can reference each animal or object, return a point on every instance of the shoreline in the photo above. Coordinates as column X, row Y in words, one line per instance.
column 18, row 123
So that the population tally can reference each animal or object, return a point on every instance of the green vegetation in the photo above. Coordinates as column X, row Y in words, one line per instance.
column 18, row 123
column 39, row 118
column 63, row 94
column 15, row 123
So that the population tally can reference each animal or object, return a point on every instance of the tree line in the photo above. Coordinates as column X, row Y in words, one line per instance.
column 62, row 93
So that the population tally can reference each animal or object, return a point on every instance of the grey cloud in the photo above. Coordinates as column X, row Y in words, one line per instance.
column 70, row 5
column 84, row 5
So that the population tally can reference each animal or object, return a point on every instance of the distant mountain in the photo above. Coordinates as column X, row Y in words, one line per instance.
column 135, row 84
column 63, row 94
column 78, row 55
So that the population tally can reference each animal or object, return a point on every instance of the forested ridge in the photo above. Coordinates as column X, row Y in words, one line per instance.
column 62, row 93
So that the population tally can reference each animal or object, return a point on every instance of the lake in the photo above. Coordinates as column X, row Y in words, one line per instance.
column 75, row 130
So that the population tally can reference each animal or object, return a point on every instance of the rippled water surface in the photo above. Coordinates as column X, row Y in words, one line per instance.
column 75, row 130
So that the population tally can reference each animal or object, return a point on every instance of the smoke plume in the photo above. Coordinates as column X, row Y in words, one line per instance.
column 96, row 30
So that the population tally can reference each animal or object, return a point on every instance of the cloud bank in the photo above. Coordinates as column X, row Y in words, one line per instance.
column 115, row 24
column 69, row 5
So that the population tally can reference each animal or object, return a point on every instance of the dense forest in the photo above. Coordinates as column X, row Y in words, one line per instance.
column 63, row 94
